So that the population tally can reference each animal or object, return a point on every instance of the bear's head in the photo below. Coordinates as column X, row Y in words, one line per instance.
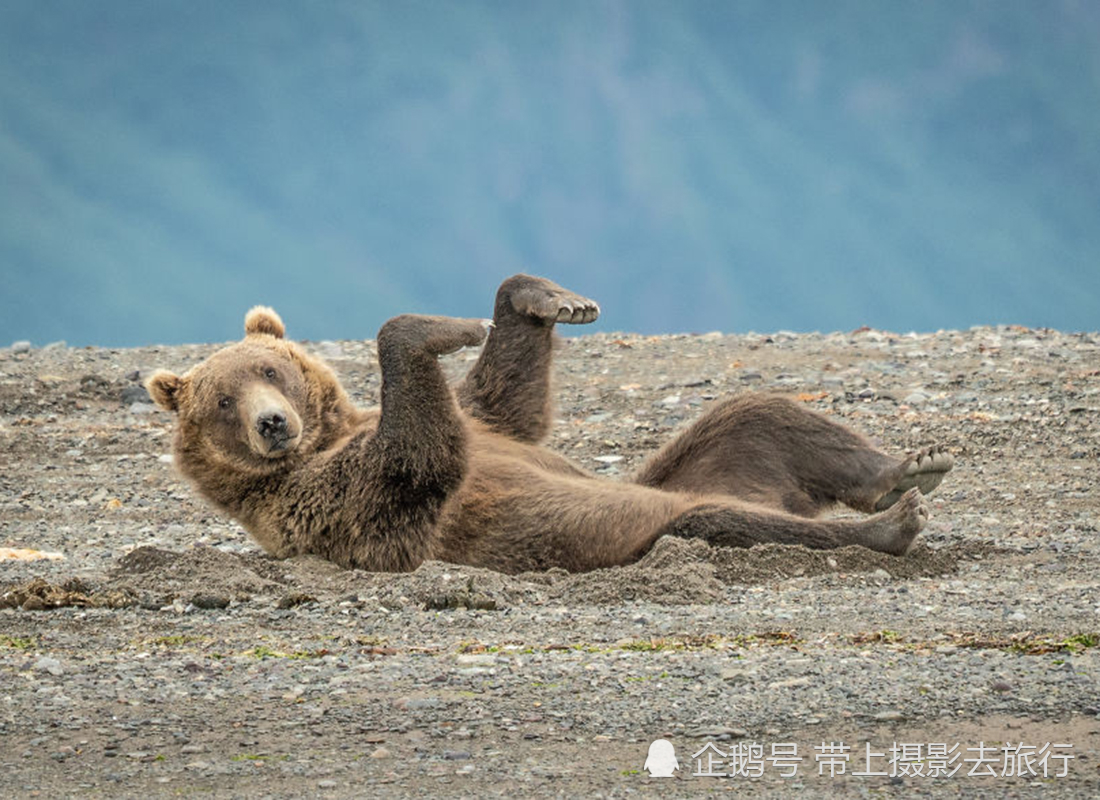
column 254, row 407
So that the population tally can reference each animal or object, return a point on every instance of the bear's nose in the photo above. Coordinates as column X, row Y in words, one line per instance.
column 272, row 425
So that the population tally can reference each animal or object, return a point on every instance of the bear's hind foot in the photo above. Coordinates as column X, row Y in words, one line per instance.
column 924, row 470
column 546, row 301
column 894, row 530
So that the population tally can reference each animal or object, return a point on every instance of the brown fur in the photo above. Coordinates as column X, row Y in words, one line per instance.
column 267, row 433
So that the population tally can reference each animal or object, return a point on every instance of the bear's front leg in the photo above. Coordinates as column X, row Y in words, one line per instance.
column 509, row 387
column 399, row 478
column 421, row 436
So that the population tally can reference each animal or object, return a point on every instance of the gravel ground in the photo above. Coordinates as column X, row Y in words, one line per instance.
column 164, row 655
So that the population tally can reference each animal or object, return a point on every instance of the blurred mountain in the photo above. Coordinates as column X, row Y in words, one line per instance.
column 694, row 166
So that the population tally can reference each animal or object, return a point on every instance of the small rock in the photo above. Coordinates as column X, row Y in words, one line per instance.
column 21, row 347
column 1001, row 687
column 209, row 601
column 889, row 716
column 790, row 683
column 50, row 665
column 381, row 752
column 477, row 660
column 326, row 784
column 295, row 599
column 135, row 394
column 737, row 675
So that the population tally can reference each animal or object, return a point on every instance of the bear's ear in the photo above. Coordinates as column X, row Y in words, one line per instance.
column 262, row 319
column 164, row 387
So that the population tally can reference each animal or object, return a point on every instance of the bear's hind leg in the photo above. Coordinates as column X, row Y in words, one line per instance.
column 891, row 531
column 509, row 386
column 771, row 450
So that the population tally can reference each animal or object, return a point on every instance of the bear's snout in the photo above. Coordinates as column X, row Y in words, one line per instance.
column 274, row 427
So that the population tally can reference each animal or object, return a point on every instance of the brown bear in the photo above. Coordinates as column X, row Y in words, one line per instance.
column 267, row 433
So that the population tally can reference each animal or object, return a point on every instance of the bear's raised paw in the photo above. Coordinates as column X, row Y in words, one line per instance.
column 545, row 300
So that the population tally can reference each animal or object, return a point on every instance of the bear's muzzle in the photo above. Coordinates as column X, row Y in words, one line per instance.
column 275, row 427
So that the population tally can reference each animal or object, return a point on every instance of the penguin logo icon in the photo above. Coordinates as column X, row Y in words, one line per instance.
column 661, row 762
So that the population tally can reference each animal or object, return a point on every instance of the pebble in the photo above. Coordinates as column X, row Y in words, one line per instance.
column 889, row 716
column 209, row 601
column 21, row 347
column 477, row 659
column 50, row 665
column 135, row 394
column 738, row 675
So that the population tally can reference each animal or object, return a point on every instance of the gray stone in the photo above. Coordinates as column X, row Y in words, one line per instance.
column 50, row 665
column 135, row 393
column 889, row 716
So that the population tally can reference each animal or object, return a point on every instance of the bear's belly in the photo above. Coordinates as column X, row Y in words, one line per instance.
column 523, row 507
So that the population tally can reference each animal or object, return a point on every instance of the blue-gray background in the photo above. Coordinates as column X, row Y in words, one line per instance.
column 732, row 165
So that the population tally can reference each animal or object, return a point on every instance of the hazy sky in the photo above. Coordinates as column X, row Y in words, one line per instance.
column 694, row 166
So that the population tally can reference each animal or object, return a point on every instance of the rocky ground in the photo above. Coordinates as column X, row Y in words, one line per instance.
column 160, row 654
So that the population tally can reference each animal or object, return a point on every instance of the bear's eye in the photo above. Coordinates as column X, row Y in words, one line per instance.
column 270, row 373
column 225, row 403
